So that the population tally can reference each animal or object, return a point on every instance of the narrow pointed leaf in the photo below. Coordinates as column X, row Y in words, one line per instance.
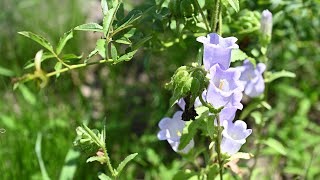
column 108, row 19
column 125, row 57
column 114, row 53
column 100, row 159
column 125, row 162
column 39, row 39
column 63, row 40
column 189, row 131
column 233, row 3
column 103, row 176
column 89, row 27
column 104, row 6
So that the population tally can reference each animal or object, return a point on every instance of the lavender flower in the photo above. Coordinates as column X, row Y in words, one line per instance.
column 252, row 78
column 217, row 50
column 234, row 136
column 225, row 88
column 171, row 130
column 266, row 23
column 227, row 114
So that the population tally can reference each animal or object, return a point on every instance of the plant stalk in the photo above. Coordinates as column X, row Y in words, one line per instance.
column 215, row 16
column 218, row 147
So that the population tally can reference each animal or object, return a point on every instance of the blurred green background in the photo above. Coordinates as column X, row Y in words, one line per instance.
column 132, row 99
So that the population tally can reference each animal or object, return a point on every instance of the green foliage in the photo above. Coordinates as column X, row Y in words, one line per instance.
column 125, row 162
column 187, row 80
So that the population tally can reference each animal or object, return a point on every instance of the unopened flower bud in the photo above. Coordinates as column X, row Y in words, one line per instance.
column 266, row 27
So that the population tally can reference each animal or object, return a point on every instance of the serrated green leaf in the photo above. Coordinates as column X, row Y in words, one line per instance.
column 39, row 39
column 104, row 6
column 6, row 72
column 114, row 52
column 276, row 145
column 63, row 40
column 210, row 126
column 276, row 75
column 71, row 57
column 100, row 159
column 108, row 19
column 123, row 40
column 89, row 27
column 189, row 131
column 100, row 46
column 103, row 176
column 125, row 162
column 238, row 55
column 126, row 57
column 234, row 4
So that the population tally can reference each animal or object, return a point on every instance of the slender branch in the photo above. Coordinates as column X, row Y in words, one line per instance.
column 202, row 14
column 220, row 21
column 215, row 16
column 218, row 147
column 56, row 56
column 76, row 66
column 109, row 165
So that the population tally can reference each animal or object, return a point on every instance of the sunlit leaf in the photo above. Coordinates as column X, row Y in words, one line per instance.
column 63, row 40
column 37, row 38
column 125, row 162
column 126, row 57
column 89, row 27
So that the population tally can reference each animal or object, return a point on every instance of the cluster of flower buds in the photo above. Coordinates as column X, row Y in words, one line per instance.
column 224, row 92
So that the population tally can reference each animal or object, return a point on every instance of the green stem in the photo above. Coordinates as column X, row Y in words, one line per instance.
column 220, row 21
column 215, row 16
column 259, row 131
column 56, row 56
column 113, row 172
column 76, row 66
column 218, row 147
column 202, row 14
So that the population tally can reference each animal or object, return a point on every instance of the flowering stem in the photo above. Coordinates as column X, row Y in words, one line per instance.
column 203, row 16
column 220, row 21
column 218, row 147
column 215, row 16
column 114, row 174
column 29, row 77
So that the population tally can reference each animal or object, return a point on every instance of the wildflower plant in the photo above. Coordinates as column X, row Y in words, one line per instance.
column 209, row 91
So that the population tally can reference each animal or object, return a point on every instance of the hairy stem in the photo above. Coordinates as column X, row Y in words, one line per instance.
column 218, row 147
column 215, row 16
column 114, row 174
